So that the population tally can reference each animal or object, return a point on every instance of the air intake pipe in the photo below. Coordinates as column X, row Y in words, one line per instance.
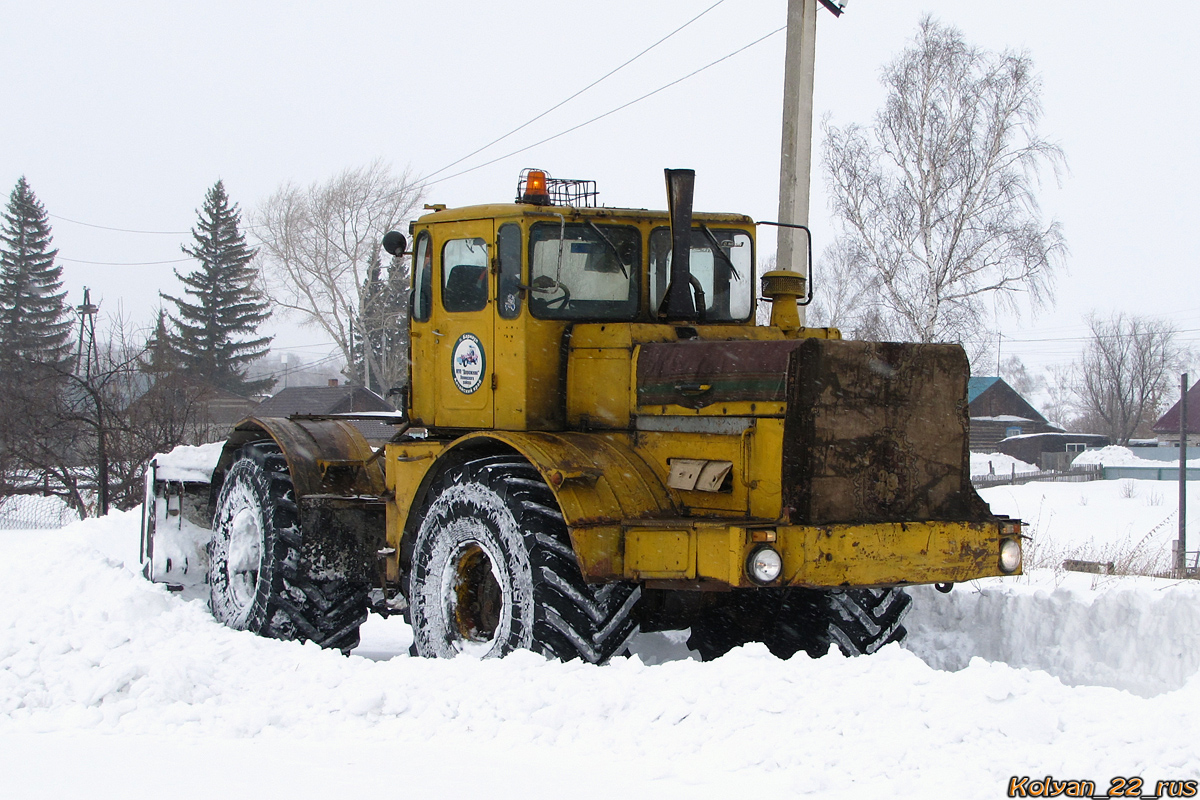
column 677, row 303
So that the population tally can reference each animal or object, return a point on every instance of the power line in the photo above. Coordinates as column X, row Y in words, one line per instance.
column 322, row 346
column 123, row 263
column 493, row 142
column 289, row 370
column 1066, row 339
column 572, row 97
column 613, row 111
column 120, row 230
column 242, row 226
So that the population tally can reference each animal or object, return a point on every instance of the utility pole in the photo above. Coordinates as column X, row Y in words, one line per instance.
column 87, row 367
column 1181, row 545
column 86, row 354
column 795, row 154
column 366, row 346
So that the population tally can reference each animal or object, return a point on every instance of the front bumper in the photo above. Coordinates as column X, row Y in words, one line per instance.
column 694, row 554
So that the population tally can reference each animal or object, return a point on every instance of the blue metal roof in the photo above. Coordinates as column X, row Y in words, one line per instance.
column 978, row 386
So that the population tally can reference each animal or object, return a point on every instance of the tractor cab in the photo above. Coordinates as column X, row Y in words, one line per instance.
column 498, row 289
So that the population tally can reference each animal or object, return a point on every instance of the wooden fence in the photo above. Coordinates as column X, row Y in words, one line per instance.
column 1079, row 474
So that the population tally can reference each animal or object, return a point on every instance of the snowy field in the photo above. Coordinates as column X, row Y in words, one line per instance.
column 114, row 687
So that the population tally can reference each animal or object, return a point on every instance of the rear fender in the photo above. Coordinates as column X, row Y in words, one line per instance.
column 323, row 456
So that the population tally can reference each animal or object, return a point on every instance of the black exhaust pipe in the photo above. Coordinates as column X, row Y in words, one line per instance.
column 677, row 303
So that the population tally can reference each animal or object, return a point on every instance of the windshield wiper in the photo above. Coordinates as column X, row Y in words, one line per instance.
column 613, row 247
column 721, row 252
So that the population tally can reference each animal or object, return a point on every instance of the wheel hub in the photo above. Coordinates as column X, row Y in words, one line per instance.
column 245, row 554
column 476, row 600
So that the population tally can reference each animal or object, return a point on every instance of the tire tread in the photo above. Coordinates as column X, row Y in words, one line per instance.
column 571, row 618
column 296, row 605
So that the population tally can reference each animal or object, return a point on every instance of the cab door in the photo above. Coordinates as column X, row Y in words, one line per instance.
column 463, row 320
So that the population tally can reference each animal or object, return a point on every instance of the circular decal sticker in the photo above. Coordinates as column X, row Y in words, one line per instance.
column 468, row 362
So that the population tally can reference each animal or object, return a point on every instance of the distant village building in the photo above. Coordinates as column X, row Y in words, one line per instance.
column 223, row 409
column 331, row 399
column 998, row 412
column 1051, row 450
column 195, row 411
column 1167, row 427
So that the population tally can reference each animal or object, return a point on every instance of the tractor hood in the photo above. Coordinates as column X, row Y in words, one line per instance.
column 872, row 431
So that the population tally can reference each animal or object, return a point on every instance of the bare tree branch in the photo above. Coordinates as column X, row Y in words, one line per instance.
column 936, row 199
column 1127, row 374
column 317, row 246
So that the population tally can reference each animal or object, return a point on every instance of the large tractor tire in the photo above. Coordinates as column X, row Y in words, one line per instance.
column 257, row 578
column 493, row 571
column 858, row 621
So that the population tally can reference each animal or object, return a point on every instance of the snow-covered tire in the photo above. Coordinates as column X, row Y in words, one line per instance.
column 493, row 571
column 863, row 620
column 257, row 578
column 858, row 621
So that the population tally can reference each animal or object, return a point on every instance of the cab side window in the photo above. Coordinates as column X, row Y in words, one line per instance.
column 422, row 278
column 464, row 275
column 509, row 245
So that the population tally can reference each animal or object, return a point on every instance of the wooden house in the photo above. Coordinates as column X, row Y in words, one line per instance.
column 998, row 412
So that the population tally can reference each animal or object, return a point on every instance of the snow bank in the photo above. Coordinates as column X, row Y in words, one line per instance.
column 1117, row 456
column 998, row 463
column 1137, row 634
column 1113, row 456
column 188, row 463
column 104, row 675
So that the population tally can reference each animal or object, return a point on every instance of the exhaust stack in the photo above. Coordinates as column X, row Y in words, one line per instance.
column 677, row 303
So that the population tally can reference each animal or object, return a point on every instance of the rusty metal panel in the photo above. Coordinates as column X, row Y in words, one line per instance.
column 658, row 554
column 598, row 478
column 676, row 553
column 877, row 432
column 598, row 387
column 322, row 455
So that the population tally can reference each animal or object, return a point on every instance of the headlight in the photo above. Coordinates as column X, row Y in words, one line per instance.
column 765, row 565
column 1010, row 556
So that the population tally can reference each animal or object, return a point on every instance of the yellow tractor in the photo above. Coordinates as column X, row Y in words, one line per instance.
column 599, row 439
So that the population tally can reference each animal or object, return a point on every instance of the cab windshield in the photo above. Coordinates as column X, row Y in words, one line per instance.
column 584, row 271
column 721, row 260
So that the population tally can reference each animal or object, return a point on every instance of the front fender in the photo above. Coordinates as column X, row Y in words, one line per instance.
column 599, row 482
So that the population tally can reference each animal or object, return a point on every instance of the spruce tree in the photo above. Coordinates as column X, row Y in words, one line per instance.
column 222, row 304
column 34, row 323
column 160, row 358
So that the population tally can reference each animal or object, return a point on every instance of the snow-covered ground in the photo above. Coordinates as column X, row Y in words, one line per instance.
column 998, row 464
column 113, row 687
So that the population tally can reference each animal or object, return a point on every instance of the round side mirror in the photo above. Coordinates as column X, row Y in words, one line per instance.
column 395, row 243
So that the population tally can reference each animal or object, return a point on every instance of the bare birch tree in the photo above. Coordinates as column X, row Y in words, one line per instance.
column 1060, row 402
column 1128, row 373
column 317, row 245
column 937, row 198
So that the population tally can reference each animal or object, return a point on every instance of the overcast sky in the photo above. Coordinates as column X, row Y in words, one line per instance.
column 122, row 114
